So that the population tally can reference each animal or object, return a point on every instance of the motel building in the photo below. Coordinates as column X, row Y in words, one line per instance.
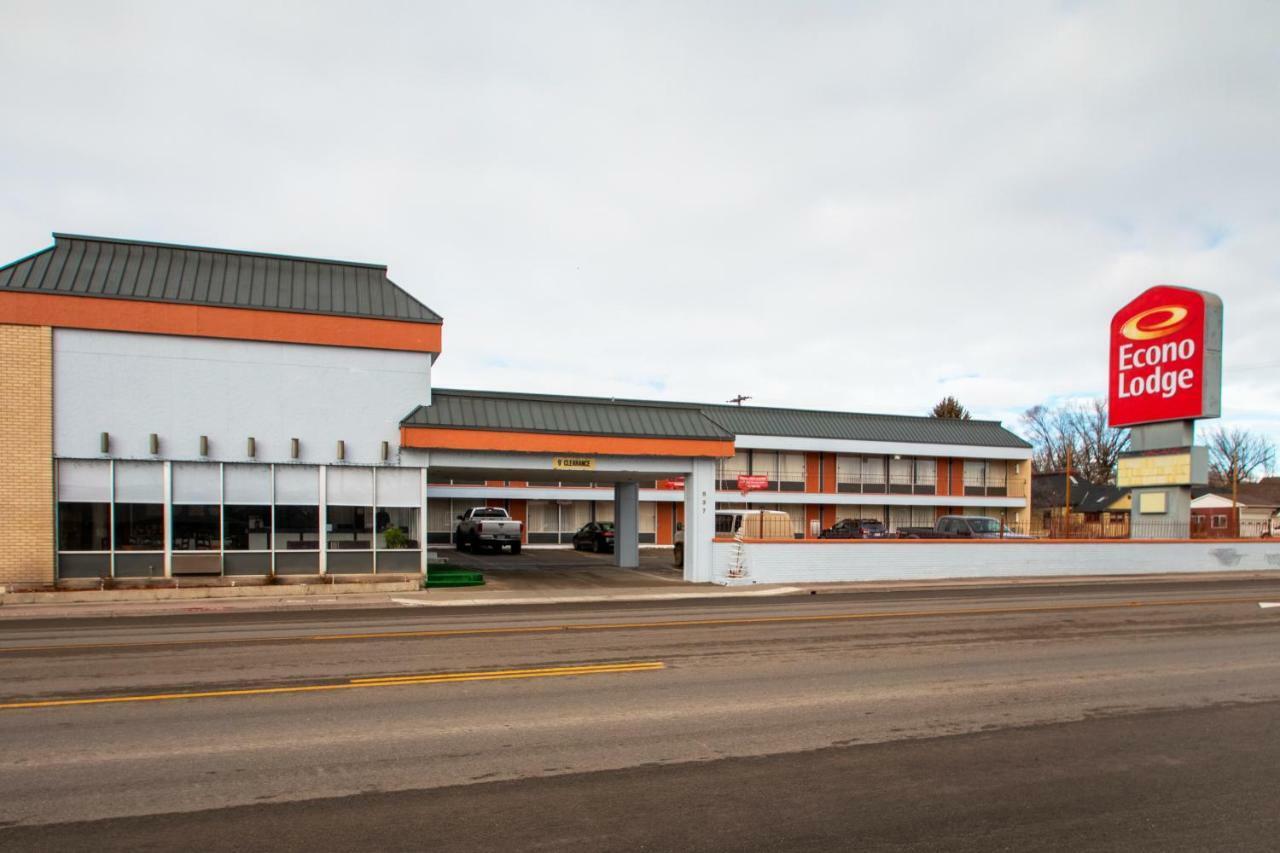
column 183, row 412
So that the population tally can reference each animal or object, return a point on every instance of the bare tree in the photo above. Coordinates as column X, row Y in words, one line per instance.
column 1050, row 433
column 1095, row 446
column 949, row 407
column 1235, row 455
column 1100, row 443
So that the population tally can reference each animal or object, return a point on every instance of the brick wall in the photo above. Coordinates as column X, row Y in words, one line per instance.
column 26, row 454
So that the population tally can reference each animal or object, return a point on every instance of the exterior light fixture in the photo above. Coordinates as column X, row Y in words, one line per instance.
column 104, row 442
column 251, row 447
column 342, row 450
column 154, row 444
column 295, row 446
column 204, row 445
column 386, row 450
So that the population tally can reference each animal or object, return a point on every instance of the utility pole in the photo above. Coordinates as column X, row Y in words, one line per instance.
column 1235, row 491
column 1067, row 508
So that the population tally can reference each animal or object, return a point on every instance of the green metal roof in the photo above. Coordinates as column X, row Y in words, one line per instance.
column 493, row 410
column 160, row 272
column 499, row 410
column 911, row 429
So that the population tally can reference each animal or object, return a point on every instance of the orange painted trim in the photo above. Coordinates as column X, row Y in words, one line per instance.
column 828, row 516
column 829, row 473
column 204, row 321
column 444, row 438
column 942, row 477
column 519, row 510
column 666, row 524
column 813, row 472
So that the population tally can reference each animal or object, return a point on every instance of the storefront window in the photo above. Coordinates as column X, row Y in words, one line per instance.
column 139, row 527
column 247, row 528
column 297, row 508
column 196, row 527
column 246, row 522
column 84, row 527
column 297, row 528
column 349, row 527
column 403, row 520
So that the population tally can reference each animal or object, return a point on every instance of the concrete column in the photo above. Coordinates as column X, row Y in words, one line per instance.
column 422, row 519
column 324, row 519
column 699, row 521
column 1173, row 519
column 167, row 467
column 626, row 525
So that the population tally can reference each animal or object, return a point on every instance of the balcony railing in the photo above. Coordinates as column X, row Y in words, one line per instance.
column 978, row 487
column 784, row 481
column 895, row 485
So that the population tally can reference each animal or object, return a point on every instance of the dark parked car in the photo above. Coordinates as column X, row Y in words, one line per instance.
column 596, row 536
column 856, row 528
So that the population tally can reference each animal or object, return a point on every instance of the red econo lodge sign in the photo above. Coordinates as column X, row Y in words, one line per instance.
column 752, row 482
column 1166, row 357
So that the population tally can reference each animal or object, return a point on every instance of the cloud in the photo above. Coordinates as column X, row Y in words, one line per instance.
column 826, row 205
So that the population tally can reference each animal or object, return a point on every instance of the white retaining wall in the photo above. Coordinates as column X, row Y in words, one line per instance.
column 822, row 562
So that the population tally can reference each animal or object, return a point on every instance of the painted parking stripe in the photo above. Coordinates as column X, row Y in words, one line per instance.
column 358, row 684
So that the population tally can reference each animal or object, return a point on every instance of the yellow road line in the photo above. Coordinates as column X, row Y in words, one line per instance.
column 625, row 626
column 354, row 684
column 556, row 670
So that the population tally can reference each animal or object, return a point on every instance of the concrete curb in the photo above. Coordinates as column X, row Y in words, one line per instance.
column 595, row 599
column 107, row 596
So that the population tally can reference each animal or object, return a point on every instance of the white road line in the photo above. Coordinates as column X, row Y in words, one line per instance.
column 410, row 602
column 1266, row 604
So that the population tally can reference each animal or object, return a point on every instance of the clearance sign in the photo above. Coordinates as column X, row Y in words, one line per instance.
column 1166, row 357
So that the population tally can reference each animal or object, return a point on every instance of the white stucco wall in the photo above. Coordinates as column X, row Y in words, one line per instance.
column 132, row 385
column 898, row 560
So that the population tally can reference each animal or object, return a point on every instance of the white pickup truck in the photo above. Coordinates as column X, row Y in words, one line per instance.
column 487, row 527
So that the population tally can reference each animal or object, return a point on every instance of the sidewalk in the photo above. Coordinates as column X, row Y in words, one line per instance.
column 321, row 597
column 530, row 590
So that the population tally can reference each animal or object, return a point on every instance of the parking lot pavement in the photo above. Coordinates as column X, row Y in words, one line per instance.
column 564, row 567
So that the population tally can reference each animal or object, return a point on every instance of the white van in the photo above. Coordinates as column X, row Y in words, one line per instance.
column 752, row 523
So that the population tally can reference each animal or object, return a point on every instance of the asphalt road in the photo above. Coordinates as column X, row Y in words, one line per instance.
column 1144, row 716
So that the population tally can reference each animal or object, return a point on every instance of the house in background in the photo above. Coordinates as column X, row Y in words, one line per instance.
column 1096, row 511
column 1256, row 512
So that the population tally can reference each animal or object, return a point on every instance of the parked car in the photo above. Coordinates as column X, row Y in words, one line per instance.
column 752, row 523
column 487, row 527
column 596, row 536
column 856, row 528
column 962, row 527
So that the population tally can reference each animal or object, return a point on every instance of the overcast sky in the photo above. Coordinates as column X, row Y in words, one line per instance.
column 849, row 205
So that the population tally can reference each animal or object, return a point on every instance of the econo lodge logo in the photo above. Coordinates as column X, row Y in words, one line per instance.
column 1151, row 368
column 1158, row 356
column 1169, row 319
